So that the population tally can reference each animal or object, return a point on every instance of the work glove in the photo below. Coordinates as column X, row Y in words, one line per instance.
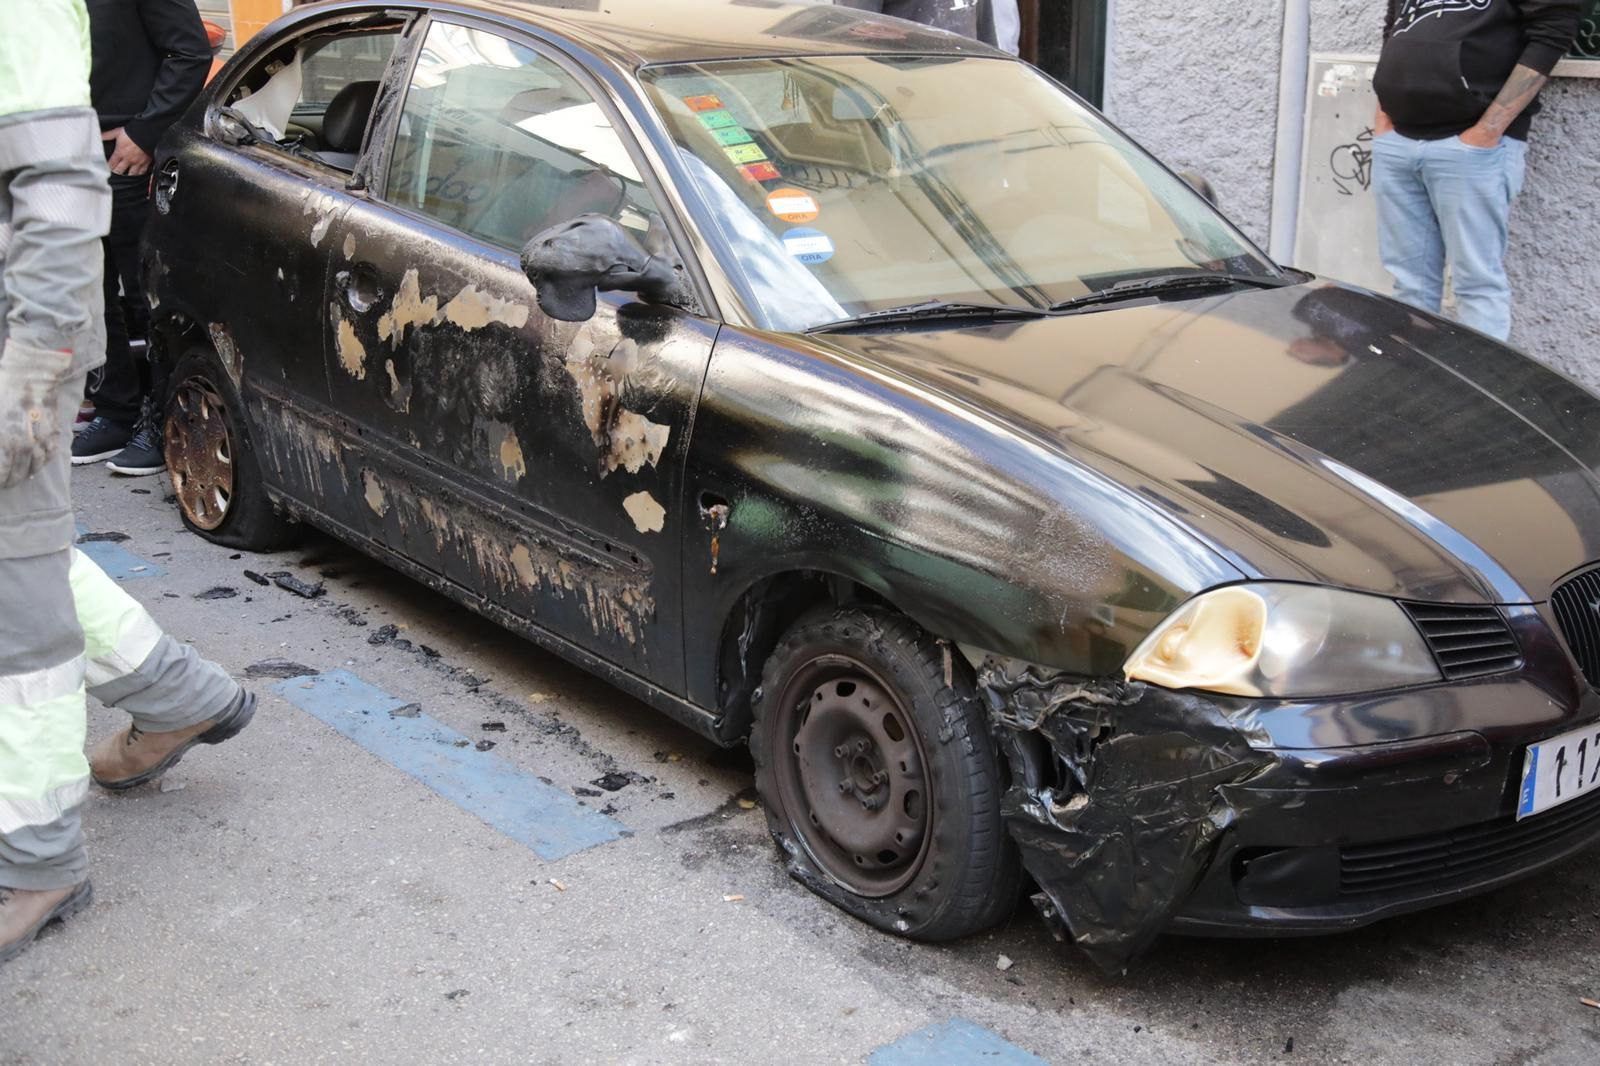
column 30, row 429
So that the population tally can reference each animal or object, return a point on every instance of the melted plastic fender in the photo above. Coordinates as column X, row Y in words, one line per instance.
column 1119, row 831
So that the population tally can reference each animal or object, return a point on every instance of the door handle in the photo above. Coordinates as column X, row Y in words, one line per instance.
column 359, row 287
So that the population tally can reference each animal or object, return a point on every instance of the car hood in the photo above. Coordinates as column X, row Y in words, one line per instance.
column 1312, row 433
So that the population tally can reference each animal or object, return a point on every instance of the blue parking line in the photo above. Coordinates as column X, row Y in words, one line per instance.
column 957, row 1042
column 118, row 562
column 516, row 803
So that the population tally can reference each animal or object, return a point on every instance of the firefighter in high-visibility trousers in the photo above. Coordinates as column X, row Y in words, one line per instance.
column 66, row 629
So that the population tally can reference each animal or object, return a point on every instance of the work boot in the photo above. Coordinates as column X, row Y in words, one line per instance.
column 132, row 757
column 23, row 913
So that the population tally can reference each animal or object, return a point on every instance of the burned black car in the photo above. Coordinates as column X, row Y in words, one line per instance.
column 854, row 389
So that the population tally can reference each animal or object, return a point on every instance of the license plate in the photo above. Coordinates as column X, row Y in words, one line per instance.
column 1560, row 769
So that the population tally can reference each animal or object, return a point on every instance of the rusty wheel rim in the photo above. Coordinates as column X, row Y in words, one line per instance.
column 199, row 452
column 852, row 776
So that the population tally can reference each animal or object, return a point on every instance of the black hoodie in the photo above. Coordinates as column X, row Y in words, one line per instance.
column 1444, row 61
column 150, row 62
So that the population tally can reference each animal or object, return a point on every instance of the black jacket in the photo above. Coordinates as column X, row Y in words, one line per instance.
column 150, row 62
column 1444, row 61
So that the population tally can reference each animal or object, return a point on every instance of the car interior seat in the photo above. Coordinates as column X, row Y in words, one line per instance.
column 345, row 123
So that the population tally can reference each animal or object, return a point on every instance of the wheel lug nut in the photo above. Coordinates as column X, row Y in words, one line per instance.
column 841, row 751
column 844, row 786
column 861, row 746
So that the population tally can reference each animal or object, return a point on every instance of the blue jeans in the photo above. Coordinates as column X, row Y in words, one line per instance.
column 1446, row 200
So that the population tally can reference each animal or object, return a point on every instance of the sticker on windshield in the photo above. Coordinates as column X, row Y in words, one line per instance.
column 703, row 103
column 793, row 205
column 729, row 137
column 810, row 246
column 746, row 153
column 717, row 120
column 759, row 172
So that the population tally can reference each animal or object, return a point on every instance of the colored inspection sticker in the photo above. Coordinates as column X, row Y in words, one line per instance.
column 703, row 103
column 746, row 153
column 759, row 172
column 810, row 246
column 730, row 137
column 718, row 120
column 793, row 205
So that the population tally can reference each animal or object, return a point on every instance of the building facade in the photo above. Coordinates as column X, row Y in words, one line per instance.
column 1222, row 88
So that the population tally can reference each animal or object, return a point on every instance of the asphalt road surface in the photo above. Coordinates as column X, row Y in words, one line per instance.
column 308, row 894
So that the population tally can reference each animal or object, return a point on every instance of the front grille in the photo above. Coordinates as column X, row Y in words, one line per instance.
column 1462, row 857
column 1577, row 608
column 1466, row 641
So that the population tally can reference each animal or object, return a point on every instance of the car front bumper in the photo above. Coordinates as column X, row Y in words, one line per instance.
column 1354, row 836
column 1141, row 810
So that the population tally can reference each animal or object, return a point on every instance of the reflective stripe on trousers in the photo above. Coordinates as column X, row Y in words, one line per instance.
column 125, row 661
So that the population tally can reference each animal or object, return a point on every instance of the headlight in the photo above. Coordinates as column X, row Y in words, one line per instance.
column 1284, row 641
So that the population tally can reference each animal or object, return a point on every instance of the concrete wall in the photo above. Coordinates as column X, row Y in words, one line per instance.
column 1198, row 85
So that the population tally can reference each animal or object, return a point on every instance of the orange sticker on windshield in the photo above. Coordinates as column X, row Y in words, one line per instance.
column 759, row 172
column 703, row 103
column 793, row 205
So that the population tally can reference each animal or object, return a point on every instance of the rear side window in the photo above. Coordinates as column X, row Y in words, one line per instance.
column 314, row 96
column 331, row 64
column 499, row 142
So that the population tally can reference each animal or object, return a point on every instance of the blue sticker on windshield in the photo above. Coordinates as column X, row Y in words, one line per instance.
column 810, row 246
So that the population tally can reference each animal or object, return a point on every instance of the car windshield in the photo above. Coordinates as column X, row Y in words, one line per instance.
column 846, row 185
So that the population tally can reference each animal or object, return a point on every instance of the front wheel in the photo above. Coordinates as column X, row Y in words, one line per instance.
column 880, row 782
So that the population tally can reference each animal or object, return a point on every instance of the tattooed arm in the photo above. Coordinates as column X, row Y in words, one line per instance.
column 1518, row 92
column 1549, row 26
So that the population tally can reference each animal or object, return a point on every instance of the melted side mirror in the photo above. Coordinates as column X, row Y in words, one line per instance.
column 570, row 263
column 1199, row 184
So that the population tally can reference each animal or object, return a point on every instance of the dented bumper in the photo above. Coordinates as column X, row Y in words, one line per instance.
column 1140, row 810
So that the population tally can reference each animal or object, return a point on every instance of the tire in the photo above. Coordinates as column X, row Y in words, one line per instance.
column 880, row 782
column 212, row 462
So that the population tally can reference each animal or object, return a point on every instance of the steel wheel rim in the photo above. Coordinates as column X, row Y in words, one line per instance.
column 852, row 776
column 199, row 452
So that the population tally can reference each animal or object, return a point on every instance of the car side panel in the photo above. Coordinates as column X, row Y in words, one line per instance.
column 535, row 462
column 236, row 255
column 983, row 536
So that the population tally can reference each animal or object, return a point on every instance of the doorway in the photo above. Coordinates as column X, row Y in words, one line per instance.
column 1067, row 40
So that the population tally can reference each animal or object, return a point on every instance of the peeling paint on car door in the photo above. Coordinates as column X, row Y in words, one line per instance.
column 535, row 463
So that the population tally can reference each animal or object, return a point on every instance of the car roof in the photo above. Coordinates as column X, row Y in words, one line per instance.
column 637, row 33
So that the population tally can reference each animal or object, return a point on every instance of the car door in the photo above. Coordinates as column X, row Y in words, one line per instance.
column 256, row 195
column 535, row 465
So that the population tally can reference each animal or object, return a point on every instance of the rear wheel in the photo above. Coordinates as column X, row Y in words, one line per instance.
column 879, row 779
column 213, row 466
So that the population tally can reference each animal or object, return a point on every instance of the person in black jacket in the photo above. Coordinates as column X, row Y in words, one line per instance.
column 151, row 58
column 1458, row 86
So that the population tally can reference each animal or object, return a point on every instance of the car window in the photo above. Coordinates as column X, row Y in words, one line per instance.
column 313, row 97
column 501, row 143
column 849, row 184
column 330, row 64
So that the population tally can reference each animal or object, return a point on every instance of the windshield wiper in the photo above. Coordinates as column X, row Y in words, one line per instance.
column 1162, row 285
column 933, row 311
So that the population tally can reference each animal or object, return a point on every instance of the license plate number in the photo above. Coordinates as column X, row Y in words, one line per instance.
column 1560, row 769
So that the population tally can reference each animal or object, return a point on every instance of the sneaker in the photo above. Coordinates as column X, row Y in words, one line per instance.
column 100, row 440
column 142, row 456
column 85, row 416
